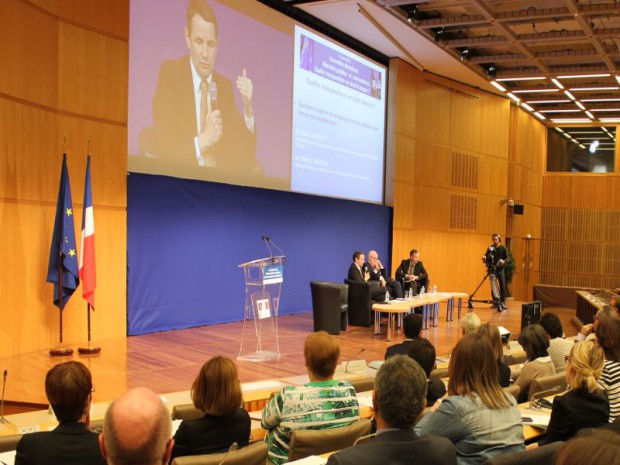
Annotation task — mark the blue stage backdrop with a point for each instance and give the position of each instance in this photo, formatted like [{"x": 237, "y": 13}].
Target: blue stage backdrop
[{"x": 185, "y": 239}]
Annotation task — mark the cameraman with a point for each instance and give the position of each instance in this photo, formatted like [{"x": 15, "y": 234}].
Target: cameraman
[{"x": 495, "y": 258}]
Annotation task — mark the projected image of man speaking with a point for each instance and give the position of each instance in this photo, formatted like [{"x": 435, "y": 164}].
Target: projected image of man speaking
[{"x": 195, "y": 120}]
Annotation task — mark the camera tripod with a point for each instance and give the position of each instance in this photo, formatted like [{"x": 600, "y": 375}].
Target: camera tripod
[{"x": 496, "y": 301}]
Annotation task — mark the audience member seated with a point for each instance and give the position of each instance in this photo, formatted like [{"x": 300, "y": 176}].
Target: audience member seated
[
  {"x": 216, "y": 392},
  {"x": 358, "y": 271},
  {"x": 423, "y": 352},
  {"x": 398, "y": 402},
  {"x": 596, "y": 448},
  {"x": 322, "y": 403},
  {"x": 535, "y": 342},
  {"x": 412, "y": 325},
  {"x": 491, "y": 332},
  {"x": 68, "y": 387},
  {"x": 470, "y": 323},
  {"x": 585, "y": 405},
  {"x": 480, "y": 419},
  {"x": 608, "y": 335},
  {"x": 137, "y": 430},
  {"x": 412, "y": 274},
  {"x": 589, "y": 331},
  {"x": 559, "y": 348},
  {"x": 378, "y": 273}
]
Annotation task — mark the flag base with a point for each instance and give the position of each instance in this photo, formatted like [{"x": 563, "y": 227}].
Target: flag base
[
  {"x": 89, "y": 350},
  {"x": 61, "y": 351}
]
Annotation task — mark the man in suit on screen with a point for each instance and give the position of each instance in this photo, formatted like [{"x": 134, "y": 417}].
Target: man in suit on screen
[{"x": 195, "y": 119}]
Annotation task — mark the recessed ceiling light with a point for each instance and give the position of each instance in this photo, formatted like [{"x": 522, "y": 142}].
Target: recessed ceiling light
[
  {"x": 498, "y": 86},
  {"x": 534, "y": 91},
  {"x": 584, "y": 76},
  {"x": 589, "y": 89}
]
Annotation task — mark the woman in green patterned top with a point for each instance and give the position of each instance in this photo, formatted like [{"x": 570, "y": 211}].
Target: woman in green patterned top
[{"x": 320, "y": 404}]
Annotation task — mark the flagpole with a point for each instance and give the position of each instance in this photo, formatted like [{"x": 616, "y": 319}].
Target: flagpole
[
  {"x": 89, "y": 350},
  {"x": 60, "y": 351},
  {"x": 63, "y": 238}
]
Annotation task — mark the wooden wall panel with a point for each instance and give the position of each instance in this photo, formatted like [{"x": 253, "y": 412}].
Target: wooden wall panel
[
  {"x": 447, "y": 214},
  {"x": 78, "y": 88},
  {"x": 29, "y": 53},
  {"x": 98, "y": 68}
]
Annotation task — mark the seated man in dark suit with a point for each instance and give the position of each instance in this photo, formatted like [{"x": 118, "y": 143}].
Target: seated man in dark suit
[
  {"x": 412, "y": 273},
  {"x": 378, "y": 273},
  {"x": 398, "y": 401},
  {"x": 412, "y": 325},
  {"x": 68, "y": 387},
  {"x": 358, "y": 271},
  {"x": 422, "y": 351}
]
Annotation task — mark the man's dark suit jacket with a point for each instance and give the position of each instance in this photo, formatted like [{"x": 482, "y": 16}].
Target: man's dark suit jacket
[
  {"x": 174, "y": 122},
  {"x": 67, "y": 444},
  {"x": 377, "y": 293},
  {"x": 398, "y": 447},
  {"x": 576, "y": 410},
  {"x": 210, "y": 434},
  {"x": 398, "y": 349},
  {"x": 418, "y": 270},
  {"x": 355, "y": 274}
]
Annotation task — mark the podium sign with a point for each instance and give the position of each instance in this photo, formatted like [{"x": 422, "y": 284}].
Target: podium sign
[{"x": 263, "y": 281}]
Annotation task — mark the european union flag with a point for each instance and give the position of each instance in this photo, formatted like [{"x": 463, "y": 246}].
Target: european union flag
[{"x": 63, "y": 266}]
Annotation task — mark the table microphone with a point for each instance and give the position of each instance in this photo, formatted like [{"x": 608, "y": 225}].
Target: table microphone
[
  {"x": 233, "y": 447},
  {"x": 536, "y": 398},
  {"x": 346, "y": 364},
  {"x": 2, "y": 419}
]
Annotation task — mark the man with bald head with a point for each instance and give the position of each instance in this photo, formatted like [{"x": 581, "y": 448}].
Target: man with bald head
[
  {"x": 379, "y": 273},
  {"x": 137, "y": 430}
]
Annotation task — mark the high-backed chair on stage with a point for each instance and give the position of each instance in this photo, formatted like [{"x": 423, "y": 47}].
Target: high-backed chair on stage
[
  {"x": 306, "y": 442},
  {"x": 547, "y": 383},
  {"x": 185, "y": 412},
  {"x": 329, "y": 306},
  {"x": 254, "y": 454},
  {"x": 360, "y": 303}
]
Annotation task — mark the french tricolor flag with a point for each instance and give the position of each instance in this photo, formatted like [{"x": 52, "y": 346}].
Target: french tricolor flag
[{"x": 87, "y": 250}]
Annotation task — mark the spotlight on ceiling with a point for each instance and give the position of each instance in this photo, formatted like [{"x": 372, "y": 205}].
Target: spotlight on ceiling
[
  {"x": 413, "y": 15},
  {"x": 491, "y": 72},
  {"x": 439, "y": 34},
  {"x": 464, "y": 54}
]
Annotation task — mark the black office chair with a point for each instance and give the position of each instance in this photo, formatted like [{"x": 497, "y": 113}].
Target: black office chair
[{"x": 329, "y": 306}]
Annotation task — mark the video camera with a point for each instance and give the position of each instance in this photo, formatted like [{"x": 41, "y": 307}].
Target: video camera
[{"x": 490, "y": 262}]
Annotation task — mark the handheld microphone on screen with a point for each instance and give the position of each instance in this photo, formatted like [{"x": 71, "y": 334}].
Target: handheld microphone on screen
[
  {"x": 346, "y": 364},
  {"x": 233, "y": 447},
  {"x": 2, "y": 419},
  {"x": 213, "y": 95}
]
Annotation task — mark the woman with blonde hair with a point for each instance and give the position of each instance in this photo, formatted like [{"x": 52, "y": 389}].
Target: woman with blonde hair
[
  {"x": 480, "y": 419},
  {"x": 217, "y": 393},
  {"x": 585, "y": 405}
]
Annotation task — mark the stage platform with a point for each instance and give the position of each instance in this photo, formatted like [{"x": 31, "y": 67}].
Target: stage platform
[{"x": 168, "y": 361}]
